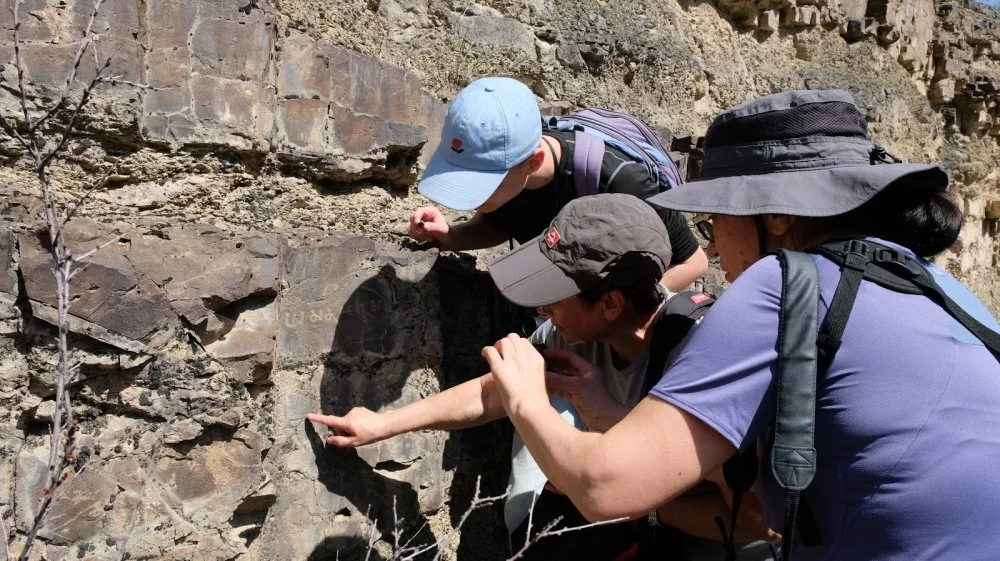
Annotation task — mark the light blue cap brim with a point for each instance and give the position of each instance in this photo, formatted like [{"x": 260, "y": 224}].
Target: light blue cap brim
[{"x": 457, "y": 187}]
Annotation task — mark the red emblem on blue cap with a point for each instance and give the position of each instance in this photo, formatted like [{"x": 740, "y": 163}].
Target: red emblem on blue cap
[
  {"x": 456, "y": 146},
  {"x": 552, "y": 237}
]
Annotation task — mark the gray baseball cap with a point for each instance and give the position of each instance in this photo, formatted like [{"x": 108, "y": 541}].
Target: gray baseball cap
[{"x": 580, "y": 248}]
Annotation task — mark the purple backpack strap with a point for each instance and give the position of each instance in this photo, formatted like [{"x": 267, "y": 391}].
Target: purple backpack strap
[{"x": 588, "y": 155}]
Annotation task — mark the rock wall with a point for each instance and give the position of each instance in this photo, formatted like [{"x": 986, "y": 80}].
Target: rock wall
[{"x": 258, "y": 187}]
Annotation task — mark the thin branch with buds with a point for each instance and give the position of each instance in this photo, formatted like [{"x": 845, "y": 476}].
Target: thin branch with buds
[
  {"x": 548, "y": 531},
  {"x": 32, "y": 137},
  {"x": 75, "y": 205},
  {"x": 119, "y": 81},
  {"x": 372, "y": 537},
  {"x": 87, "y": 35},
  {"x": 408, "y": 553}
]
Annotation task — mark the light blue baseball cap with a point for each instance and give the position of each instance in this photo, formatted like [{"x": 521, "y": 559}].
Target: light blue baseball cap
[{"x": 491, "y": 126}]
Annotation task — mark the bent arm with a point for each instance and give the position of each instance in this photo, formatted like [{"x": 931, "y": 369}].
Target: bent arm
[
  {"x": 648, "y": 459},
  {"x": 476, "y": 233},
  {"x": 680, "y": 276}
]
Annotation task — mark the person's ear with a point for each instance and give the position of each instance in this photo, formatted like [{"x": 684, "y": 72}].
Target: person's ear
[
  {"x": 613, "y": 304},
  {"x": 535, "y": 160}
]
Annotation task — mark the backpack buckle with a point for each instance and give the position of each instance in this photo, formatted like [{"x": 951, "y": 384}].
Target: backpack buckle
[
  {"x": 857, "y": 255},
  {"x": 900, "y": 264}
]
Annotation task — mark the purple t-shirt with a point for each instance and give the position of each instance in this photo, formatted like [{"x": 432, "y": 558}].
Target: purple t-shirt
[{"x": 908, "y": 420}]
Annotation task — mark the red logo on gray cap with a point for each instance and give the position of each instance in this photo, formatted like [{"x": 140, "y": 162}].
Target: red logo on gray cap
[{"x": 552, "y": 237}]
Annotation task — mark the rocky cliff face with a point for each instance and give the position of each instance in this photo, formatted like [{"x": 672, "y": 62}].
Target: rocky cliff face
[{"x": 258, "y": 189}]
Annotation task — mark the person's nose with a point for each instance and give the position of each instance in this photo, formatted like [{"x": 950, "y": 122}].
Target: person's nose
[
  {"x": 543, "y": 312},
  {"x": 710, "y": 250}
]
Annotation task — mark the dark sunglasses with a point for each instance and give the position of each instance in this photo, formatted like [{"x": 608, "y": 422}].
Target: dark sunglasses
[{"x": 703, "y": 222}]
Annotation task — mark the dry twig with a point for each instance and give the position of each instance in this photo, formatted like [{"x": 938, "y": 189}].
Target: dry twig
[
  {"x": 407, "y": 553},
  {"x": 32, "y": 135}
]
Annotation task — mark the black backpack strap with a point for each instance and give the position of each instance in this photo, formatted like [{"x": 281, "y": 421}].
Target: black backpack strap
[
  {"x": 831, "y": 332},
  {"x": 740, "y": 472},
  {"x": 899, "y": 271},
  {"x": 793, "y": 457},
  {"x": 676, "y": 317}
]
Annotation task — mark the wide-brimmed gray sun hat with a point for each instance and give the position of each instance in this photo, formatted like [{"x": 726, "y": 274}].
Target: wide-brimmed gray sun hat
[
  {"x": 590, "y": 239},
  {"x": 801, "y": 153}
]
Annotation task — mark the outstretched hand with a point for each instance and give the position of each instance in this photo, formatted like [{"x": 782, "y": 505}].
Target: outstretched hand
[
  {"x": 359, "y": 427},
  {"x": 427, "y": 224},
  {"x": 582, "y": 383},
  {"x": 519, "y": 372}
]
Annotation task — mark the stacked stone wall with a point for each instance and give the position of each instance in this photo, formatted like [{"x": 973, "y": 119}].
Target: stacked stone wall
[{"x": 258, "y": 189}]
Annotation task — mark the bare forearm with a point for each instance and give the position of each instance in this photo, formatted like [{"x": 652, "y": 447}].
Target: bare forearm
[
  {"x": 469, "y": 404},
  {"x": 628, "y": 471},
  {"x": 476, "y": 233},
  {"x": 680, "y": 276}
]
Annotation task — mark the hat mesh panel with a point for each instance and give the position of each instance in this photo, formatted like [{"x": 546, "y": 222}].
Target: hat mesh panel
[{"x": 834, "y": 118}]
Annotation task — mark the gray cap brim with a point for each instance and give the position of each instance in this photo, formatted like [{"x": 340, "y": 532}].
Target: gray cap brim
[
  {"x": 527, "y": 278},
  {"x": 817, "y": 192}
]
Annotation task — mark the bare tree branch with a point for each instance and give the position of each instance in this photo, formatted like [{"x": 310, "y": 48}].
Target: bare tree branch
[
  {"x": 406, "y": 546},
  {"x": 119, "y": 81},
  {"x": 87, "y": 35},
  {"x": 407, "y": 553},
  {"x": 84, "y": 98},
  {"x": 396, "y": 526},
  {"x": 477, "y": 503},
  {"x": 18, "y": 63},
  {"x": 371, "y": 536},
  {"x": 75, "y": 205},
  {"x": 548, "y": 531},
  {"x": 63, "y": 428},
  {"x": 87, "y": 255}
]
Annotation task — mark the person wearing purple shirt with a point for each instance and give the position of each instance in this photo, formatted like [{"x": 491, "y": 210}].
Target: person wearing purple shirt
[{"x": 908, "y": 413}]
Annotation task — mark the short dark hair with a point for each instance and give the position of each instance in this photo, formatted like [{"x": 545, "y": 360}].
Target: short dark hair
[
  {"x": 913, "y": 214},
  {"x": 636, "y": 275}
]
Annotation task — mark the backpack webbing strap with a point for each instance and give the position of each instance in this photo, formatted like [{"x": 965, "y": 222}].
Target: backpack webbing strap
[
  {"x": 793, "y": 457},
  {"x": 831, "y": 332},
  {"x": 898, "y": 271},
  {"x": 588, "y": 156}
]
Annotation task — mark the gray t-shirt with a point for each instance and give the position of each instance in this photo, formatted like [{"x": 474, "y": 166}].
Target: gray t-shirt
[{"x": 625, "y": 385}]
